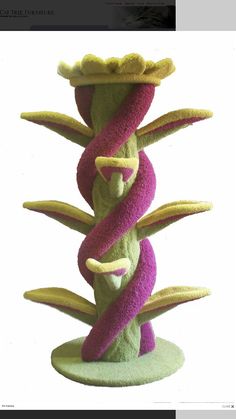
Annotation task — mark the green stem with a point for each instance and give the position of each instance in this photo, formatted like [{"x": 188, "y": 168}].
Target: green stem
[
  {"x": 106, "y": 196},
  {"x": 116, "y": 185}
]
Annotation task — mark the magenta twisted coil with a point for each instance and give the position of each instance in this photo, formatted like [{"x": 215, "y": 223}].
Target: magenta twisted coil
[{"x": 122, "y": 218}]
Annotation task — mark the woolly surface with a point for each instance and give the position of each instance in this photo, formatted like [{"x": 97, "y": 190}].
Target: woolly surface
[
  {"x": 62, "y": 124},
  {"x": 152, "y": 137},
  {"x": 107, "y": 165},
  {"x": 147, "y": 343},
  {"x": 107, "y": 172},
  {"x": 168, "y": 214},
  {"x": 66, "y": 301},
  {"x": 179, "y": 117},
  {"x": 116, "y": 322},
  {"x": 124, "y": 308},
  {"x": 113, "y": 136},
  {"x": 166, "y": 359},
  {"x": 64, "y": 213},
  {"x": 116, "y": 319},
  {"x": 176, "y": 208},
  {"x": 61, "y": 297},
  {"x": 116, "y": 162},
  {"x": 131, "y": 64},
  {"x": 83, "y": 98},
  {"x": 169, "y": 298},
  {"x": 130, "y": 68},
  {"x": 60, "y": 208},
  {"x": 127, "y": 343},
  {"x": 121, "y": 219},
  {"x": 168, "y": 124},
  {"x": 106, "y": 103},
  {"x": 120, "y": 265},
  {"x": 57, "y": 118}
]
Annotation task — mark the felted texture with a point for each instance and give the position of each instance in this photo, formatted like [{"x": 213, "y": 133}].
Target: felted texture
[
  {"x": 127, "y": 343},
  {"x": 110, "y": 173},
  {"x": 147, "y": 343},
  {"x": 124, "y": 308},
  {"x": 118, "y": 267},
  {"x": 168, "y": 298},
  {"x": 107, "y": 165},
  {"x": 83, "y": 98},
  {"x": 110, "y": 139},
  {"x": 65, "y": 301},
  {"x": 130, "y": 69},
  {"x": 168, "y": 124},
  {"x": 62, "y": 124},
  {"x": 163, "y": 361},
  {"x": 66, "y": 214},
  {"x": 121, "y": 219},
  {"x": 168, "y": 214},
  {"x": 113, "y": 97}
]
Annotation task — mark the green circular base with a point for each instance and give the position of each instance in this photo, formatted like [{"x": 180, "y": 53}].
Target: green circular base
[{"x": 166, "y": 359}]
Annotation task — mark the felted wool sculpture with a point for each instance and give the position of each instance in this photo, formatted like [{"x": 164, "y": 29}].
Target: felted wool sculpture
[{"x": 116, "y": 178}]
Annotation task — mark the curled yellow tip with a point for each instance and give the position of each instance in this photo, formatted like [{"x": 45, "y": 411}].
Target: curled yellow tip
[
  {"x": 61, "y": 297},
  {"x": 209, "y": 114},
  {"x": 174, "y": 209},
  {"x": 27, "y": 205},
  {"x": 174, "y": 296},
  {"x": 118, "y": 267}
]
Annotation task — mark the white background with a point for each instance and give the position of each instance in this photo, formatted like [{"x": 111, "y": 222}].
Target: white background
[{"x": 195, "y": 163}]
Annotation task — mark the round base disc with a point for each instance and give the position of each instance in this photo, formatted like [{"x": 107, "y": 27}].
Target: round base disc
[{"x": 163, "y": 361}]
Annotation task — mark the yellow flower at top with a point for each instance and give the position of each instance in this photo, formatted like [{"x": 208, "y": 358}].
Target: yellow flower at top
[{"x": 132, "y": 68}]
